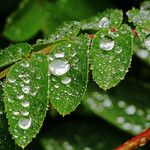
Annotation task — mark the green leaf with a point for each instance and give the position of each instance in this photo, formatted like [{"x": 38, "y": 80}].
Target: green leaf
[
  {"x": 111, "y": 18},
  {"x": 66, "y": 31},
  {"x": 6, "y": 141},
  {"x": 125, "y": 106},
  {"x": 26, "y": 98},
  {"x": 111, "y": 54},
  {"x": 14, "y": 53},
  {"x": 138, "y": 16},
  {"x": 69, "y": 74},
  {"x": 26, "y": 21},
  {"x": 82, "y": 135}
]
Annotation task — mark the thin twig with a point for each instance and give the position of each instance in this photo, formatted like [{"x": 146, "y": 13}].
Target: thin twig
[{"x": 135, "y": 142}]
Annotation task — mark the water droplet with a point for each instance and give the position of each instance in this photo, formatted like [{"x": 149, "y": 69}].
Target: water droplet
[
  {"x": 73, "y": 53},
  {"x": 104, "y": 23},
  {"x": 20, "y": 96},
  {"x": 16, "y": 113},
  {"x": 50, "y": 57},
  {"x": 118, "y": 50},
  {"x": 59, "y": 67},
  {"x": 120, "y": 120},
  {"x": 121, "y": 68},
  {"x": 127, "y": 126},
  {"x": 137, "y": 129},
  {"x": 130, "y": 110},
  {"x": 11, "y": 80},
  {"x": 26, "y": 89},
  {"x": 66, "y": 80},
  {"x": 59, "y": 54},
  {"x": 147, "y": 42},
  {"x": 121, "y": 104},
  {"x": 56, "y": 86},
  {"x": 107, "y": 43},
  {"x": 69, "y": 45},
  {"x": 25, "y": 113},
  {"x": 25, "y": 123},
  {"x": 26, "y": 80},
  {"x": 107, "y": 103},
  {"x": 142, "y": 53},
  {"x": 25, "y": 104},
  {"x": 25, "y": 64}
]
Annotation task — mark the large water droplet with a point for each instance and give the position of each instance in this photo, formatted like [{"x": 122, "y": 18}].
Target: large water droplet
[
  {"x": 107, "y": 43},
  {"x": 59, "y": 67},
  {"x": 104, "y": 23},
  {"x": 66, "y": 80},
  {"x": 25, "y": 123},
  {"x": 147, "y": 42},
  {"x": 26, "y": 89}
]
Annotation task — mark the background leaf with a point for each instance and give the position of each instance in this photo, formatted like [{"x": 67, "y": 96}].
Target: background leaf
[
  {"x": 82, "y": 134},
  {"x": 111, "y": 54},
  {"x": 69, "y": 74},
  {"x": 26, "y": 21},
  {"x": 125, "y": 106},
  {"x": 26, "y": 98}
]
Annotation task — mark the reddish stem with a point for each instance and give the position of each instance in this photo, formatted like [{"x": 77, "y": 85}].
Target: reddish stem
[
  {"x": 135, "y": 33},
  {"x": 135, "y": 142}
]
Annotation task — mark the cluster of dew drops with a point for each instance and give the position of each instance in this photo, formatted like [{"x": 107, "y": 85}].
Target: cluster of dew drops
[
  {"x": 25, "y": 121},
  {"x": 106, "y": 42},
  {"x": 59, "y": 66}
]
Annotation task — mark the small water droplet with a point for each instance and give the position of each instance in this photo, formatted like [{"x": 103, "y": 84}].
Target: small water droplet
[
  {"x": 25, "y": 113},
  {"x": 59, "y": 67},
  {"x": 107, "y": 43},
  {"x": 120, "y": 120},
  {"x": 66, "y": 80},
  {"x": 104, "y": 23},
  {"x": 20, "y": 96},
  {"x": 25, "y": 104},
  {"x": 147, "y": 42},
  {"x": 142, "y": 53},
  {"x": 11, "y": 80},
  {"x": 121, "y": 104},
  {"x": 107, "y": 103},
  {"x": 56, "y": 86},
  {"x": 59, "y": 54},
  {"x": 26, "y": 89},
  {"x": 16, "y": 113},
  {"x": 25, "y": 64},
  {"x": 118, "y": 50},
  {"x": 69, "y": 45},
  {"x": 25, "y": 123}
]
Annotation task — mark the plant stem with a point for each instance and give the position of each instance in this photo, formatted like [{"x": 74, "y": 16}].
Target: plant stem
[{"x": 135, "y": 142}]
